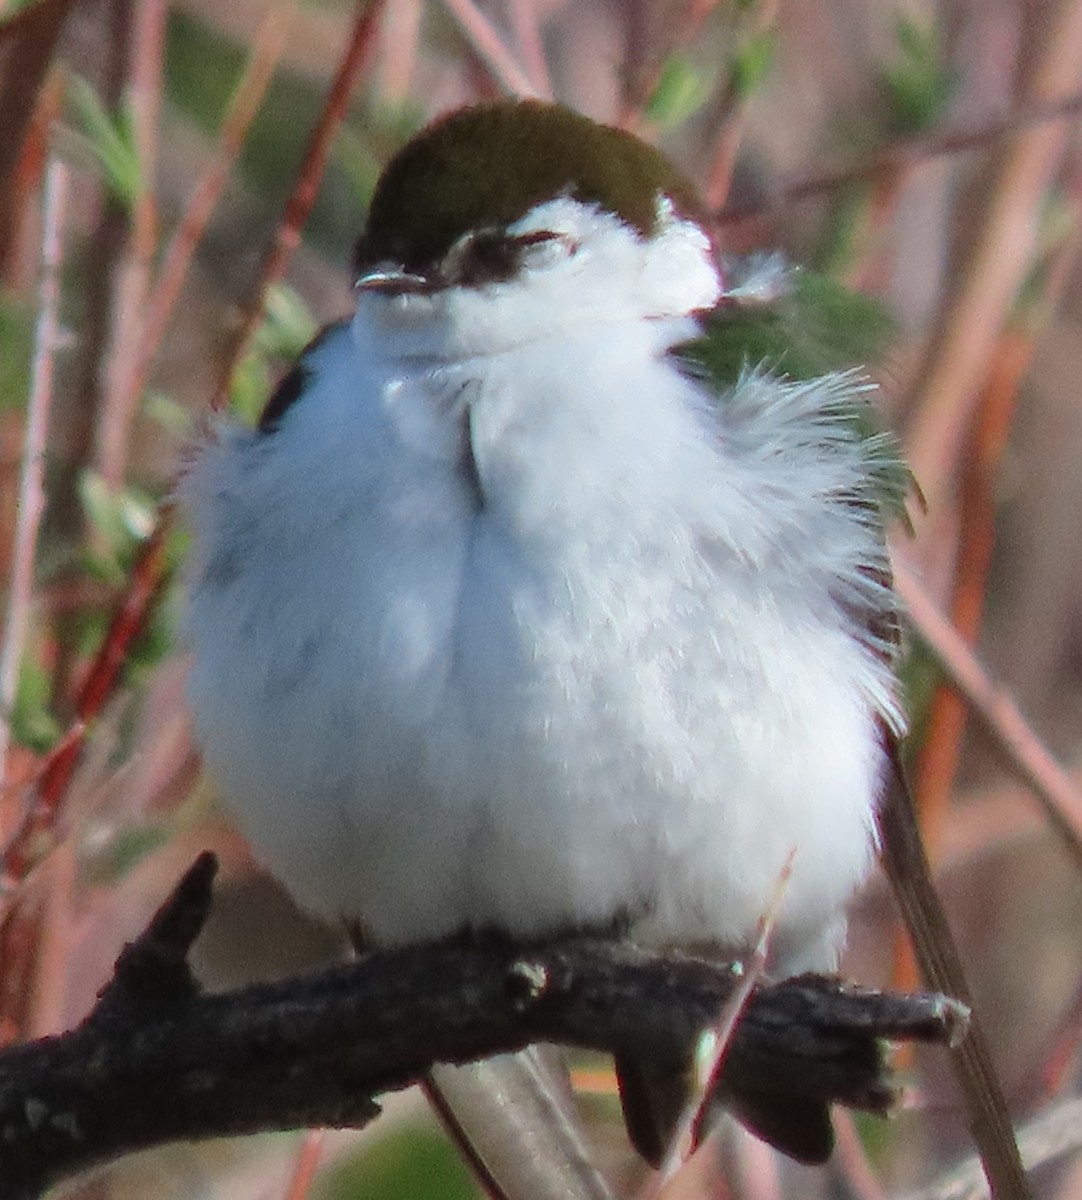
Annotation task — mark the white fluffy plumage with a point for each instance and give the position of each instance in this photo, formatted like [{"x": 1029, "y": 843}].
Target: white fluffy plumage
[{"x": 510, "y": 622}]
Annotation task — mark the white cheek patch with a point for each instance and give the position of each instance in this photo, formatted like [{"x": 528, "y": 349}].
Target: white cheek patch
[
  {"x": 678, "y": 271},
  {"x": 670, "y": 273}
]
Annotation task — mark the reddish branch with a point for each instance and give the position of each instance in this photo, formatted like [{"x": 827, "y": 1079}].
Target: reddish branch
[
  {"x": 31, "y": 505},
  {"x": 1051, "y": 784},
  {"x": 27, "y": 43},
  {"x": 906, "y": 153},
  {"x": 298, "y": 207},
  {"x": 489, "y": 50},
  {"x": 189, "y": 232}
]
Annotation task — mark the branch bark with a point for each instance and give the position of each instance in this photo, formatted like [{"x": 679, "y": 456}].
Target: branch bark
[{"x": 159, "y": 1060}]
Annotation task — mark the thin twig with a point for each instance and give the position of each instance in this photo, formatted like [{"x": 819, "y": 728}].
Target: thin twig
[
  {"x": 19, "y": 241},
  {"x": 489, "y": 47},
  {"x": 1048, "y": 1136},
  {"x": 642, "y": 83},
  {"x": 51, "y": 961},
  {"x": 305, "y": 1164},
  {"x": 986, "y": 284},
  {"x": 730, "y": 112},
  {"x": 730, "y": 1015},
  {"x": 177, "y": 260},
  {"x": 691, "y": 1129},
  {"x": 31, "y": 488},
  {"x": 112, "y": 435},
  {"x": 28, "y": 787},
  {"x": 524, "y": 20},
  {"x": 302, "y": 197},
  {"x": 28, "y": 42},
  {"x": 126, "y": 626},
  {"x": 937, "y": 760},
  {"x": 1051, "y": 784},
  {"x": 104, "y": 249},
  {"x": 939, "y": 753},
  {"x": 399, "y": 38},
  {"x": 904, "y": 154}
]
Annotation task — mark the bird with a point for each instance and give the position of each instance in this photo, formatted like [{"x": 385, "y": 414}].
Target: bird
[{"x": 534, "y": 604}]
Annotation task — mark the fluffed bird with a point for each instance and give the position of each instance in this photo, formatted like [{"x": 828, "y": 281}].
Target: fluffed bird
[{"x": 531, "y": 607}]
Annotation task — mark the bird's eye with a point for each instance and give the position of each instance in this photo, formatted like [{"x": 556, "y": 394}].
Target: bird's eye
[
  {"x": 494, "y": 256},
  {"x": 543, "y": 247}
]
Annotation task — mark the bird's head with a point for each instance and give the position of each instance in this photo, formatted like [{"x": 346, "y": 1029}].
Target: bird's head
[{"x": 514, "y": 220}]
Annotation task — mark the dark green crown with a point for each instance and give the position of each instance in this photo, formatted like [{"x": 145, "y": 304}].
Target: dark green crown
[{"x": 486, "y": 167}]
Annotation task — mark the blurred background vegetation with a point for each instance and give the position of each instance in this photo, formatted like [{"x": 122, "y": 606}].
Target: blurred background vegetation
[{"x": 158, "y": 257}]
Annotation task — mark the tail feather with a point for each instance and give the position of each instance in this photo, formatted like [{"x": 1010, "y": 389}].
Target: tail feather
[{"x": 653, "y": 1093}]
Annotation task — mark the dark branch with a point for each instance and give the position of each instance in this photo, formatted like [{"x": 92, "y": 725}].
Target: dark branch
[{"x": 157, "y": 1060}]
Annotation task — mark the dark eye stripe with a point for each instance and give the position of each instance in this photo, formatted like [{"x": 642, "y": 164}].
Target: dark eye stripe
[{"x": 492, "y": 256}]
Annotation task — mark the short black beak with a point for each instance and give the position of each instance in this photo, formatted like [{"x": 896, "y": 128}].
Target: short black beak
[{"x": 395, "y": 282}]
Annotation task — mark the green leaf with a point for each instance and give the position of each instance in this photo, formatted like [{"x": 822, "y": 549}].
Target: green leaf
[
  {"x": 32, "y": 723},
  {"x": 361, "y": 152},
  {"x": 136, "y": 510},
  {"x": 169, "y": 415},
  {"x": 751, "y": 62},
  {"x": 287, "y": 328},
  {"x": 110, "y": 140},
  {"x": 249, "y": 388},
  {"x": 918, "y": 83},
  {"x": 16, "y": 348},
  {"x": 418, "y": 1162},
  {"x": 121, "y": 521},
  {"x": 120, "y": 516},
  {"x": 680, "y": 91},
  {"x": 86, "y": 629},
  {"x": 129, "y": 845},
  {"x": 288, "y": 325},
  {"x": 103, "y": 568},
  {"x": 100, "y": 508},
  {"x": 12, "y": 7}
]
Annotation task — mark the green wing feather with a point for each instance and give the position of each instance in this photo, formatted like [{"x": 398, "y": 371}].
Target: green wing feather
[
  {"x": 811, "y": 326},
  {"x": 814, "y": 326}
]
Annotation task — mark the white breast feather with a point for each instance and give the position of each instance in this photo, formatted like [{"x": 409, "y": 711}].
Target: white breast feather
[{"x": 621, "y": 688}]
